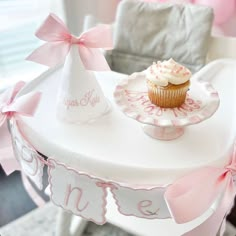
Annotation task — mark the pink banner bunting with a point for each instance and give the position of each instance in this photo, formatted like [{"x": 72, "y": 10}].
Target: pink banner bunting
[
  {"x": 28, "y": 157},
  {"x": 143, "y": 203},
  {"x": 76, "y": 192}
]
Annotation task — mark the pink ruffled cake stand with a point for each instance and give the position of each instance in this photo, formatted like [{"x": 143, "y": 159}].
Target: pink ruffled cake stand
[{"x": 201, "y": 103}]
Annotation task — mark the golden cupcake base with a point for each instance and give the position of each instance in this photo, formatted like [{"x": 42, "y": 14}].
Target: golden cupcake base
[{"x": 169, "y": 96}]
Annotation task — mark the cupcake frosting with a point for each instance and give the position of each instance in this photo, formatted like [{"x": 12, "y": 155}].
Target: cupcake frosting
[{"x": 163, "y": 73}]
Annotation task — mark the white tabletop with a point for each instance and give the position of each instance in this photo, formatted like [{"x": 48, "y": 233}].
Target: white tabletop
[{"x": 115, "y": 146}]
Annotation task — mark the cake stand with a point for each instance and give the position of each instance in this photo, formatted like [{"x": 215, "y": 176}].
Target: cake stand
[{"x": 201, "y": 103}]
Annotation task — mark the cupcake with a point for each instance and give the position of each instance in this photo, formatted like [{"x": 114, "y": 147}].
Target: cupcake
[{"x": 168, "y": 83}]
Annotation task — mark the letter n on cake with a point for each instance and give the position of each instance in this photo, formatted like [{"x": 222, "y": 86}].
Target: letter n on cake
[{"x": 77, "y": 193}]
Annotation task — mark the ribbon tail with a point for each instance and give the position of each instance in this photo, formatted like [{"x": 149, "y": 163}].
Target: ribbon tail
[
  {"x": 8, "y": 96},
  {"x": 212, "y": 225},
  {"x": 38, "y": 200},
  {"x": 98, "y": 37},
  {"x": 93, "y": 59},
  {"x": 222, "y": 227},
  {"x": 16, "y": 89},
  {"x": 25, "y": 105},
  {"x": 10, "y": 164},
  {"x": 3, "y": 118},
  {"x": 50, "y": 54},
  {"x": 181, "y": 195},
  {"x": 7, "y": 157}
]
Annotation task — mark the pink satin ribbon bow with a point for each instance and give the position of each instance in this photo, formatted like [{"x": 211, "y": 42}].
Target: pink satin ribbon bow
[
  {"x": 59, "y": 41},
  {"x": 9, "y": 107},
  {"x": 191, "y": 196}
]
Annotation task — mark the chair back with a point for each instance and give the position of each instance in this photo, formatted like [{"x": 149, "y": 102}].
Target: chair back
[{"x": 145, "y": 32}]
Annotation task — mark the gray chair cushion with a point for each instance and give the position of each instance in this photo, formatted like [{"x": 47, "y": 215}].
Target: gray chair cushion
[{"x": 146, "y": 32}]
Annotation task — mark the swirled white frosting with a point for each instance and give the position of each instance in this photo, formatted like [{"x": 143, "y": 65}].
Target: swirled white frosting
[{"x": 163, "y": 73}]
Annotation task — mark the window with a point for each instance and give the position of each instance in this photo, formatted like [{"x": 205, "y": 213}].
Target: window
[{"x": 19, "y": 20}]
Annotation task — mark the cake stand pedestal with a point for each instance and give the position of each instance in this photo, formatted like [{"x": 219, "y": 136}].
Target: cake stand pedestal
[
  {"x": 131, "y": 96},
  {"x": 163, "y": 133}
]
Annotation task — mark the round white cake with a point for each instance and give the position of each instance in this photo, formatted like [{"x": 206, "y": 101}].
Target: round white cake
[{"x": 114, "y": 147}]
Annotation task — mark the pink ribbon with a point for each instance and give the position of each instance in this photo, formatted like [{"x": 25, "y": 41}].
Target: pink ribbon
[
  {"x": 9, "y": 107},
  {"x": 59, "y": 41},
  {"x": 7, "y": 158},
  {"x": 191, "y": 196},
  {"x": 34, "y": 195}
]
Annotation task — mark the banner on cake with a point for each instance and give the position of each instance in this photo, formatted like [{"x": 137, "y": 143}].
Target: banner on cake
[
  {"x": 27, "y": 156},
  {"x": 78, "y": 193},
  {"x": 85, "y": 195},
  {"x": 143, "y": 203}
]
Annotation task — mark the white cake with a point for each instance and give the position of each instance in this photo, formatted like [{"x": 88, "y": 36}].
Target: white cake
[{"x": 115, "y": 147}]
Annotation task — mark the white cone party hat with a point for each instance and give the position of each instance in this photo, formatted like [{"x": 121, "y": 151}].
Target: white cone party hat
[{"x": 80, "y": 98}]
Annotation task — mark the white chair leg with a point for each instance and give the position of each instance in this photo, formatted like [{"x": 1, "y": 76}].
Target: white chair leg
[
  {"x": 63, "y": 223},
  {"x": 78, "y": 226},
  {"x": 69, "y": 225}
]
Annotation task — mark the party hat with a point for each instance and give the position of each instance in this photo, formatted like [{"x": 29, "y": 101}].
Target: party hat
[{"x": 80, "y": 98}]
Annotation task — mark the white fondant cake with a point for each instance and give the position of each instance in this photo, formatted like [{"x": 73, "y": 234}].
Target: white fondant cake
[{"x": 115, "y": 147}]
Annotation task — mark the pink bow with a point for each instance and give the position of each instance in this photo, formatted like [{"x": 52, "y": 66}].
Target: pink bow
[
  {"x": 9, "y": 107},
  {"x": 59, "y": 41},
  {"x": 191, "y": 196}
]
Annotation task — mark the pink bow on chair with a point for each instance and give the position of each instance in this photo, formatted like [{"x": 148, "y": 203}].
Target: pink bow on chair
[
  {"x": 59, "y": 41},
  {"x": 191, "y": 196},
  {"x": 12, "y": 107}
]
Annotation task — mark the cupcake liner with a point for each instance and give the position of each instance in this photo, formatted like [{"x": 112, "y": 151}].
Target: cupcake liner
[{"x": 167, "y": 97}]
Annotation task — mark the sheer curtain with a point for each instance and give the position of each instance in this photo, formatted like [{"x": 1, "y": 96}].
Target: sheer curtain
[
  {"x": 76, "y": 10},
  {"x": 19, "y": 20}
]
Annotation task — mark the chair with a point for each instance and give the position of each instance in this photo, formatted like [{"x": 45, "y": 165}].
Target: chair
[{"x": 146, "y": 32}]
